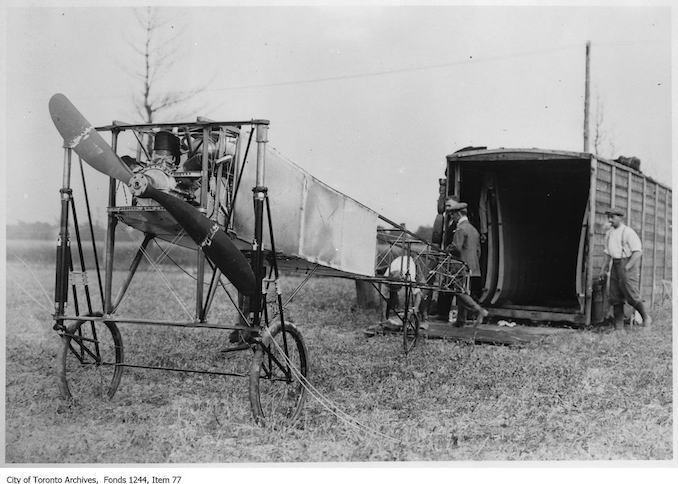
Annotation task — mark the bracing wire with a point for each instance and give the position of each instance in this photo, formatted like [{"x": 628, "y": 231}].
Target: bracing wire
[
  {"x": 295, "y": 292},
  {"x": 166, "y": 281},
  {"x": 303, "y": 283},
  {"x": 391, "y": 246},
  {"x": 136, "y": 135},
  {"x": 167, "y": 256},
  {"x": 164, "y": 253},
  {"x": 235, "y": 305},
  {"x": 182, "y": 269}
]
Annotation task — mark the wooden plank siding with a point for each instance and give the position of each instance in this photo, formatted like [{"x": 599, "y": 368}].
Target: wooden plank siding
[
  {"x": 660, "y": 242},
  {"x": 668, "y": 262},
  {"x": 603, "y": 190},
  {"x": 648, "y": 241},
  {"x": 648, "y": 210}
]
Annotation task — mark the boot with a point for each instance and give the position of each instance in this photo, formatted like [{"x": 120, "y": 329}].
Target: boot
[
  {"x": 618, "y": 311},
  {"x": 462, "y": 314},
  {"x": 482, "y": 314},
  {"x": 647, "y": 319}
]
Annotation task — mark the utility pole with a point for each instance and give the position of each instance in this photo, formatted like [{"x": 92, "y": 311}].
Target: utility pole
[{"x": 586, "y": 96}]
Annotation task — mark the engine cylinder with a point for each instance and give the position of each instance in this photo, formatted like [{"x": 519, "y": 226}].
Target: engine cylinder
[{"x": 166, "y": 141}]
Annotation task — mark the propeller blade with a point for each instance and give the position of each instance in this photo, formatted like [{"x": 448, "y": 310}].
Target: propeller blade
[
  {"x": 216, "y": 245},
  {"x": 80, "y": 135}
]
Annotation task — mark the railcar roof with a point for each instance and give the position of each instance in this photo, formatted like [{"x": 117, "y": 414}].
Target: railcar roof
[
  {"x": 536, "y": 154},
  {"x": 516, "y": 153}
]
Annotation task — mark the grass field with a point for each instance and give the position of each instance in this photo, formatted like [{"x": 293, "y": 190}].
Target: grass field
[{"x": 584, "y": 395}]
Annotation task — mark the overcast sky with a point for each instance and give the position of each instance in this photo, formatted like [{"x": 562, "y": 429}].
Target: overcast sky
[{"x": 367, "y": 99}]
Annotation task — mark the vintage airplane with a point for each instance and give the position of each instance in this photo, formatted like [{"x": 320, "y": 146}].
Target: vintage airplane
[{"x": 184, "y": 185}]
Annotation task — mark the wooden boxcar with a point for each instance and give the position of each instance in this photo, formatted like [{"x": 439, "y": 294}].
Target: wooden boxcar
[{"x": 542, "y": 249}]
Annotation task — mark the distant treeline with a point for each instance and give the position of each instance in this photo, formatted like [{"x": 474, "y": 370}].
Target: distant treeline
[
  {"x": 47, "y": 231},
  {"x": 424, "y": 232}
]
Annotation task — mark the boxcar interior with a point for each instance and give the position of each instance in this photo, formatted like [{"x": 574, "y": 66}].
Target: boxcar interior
[{"x": 534, "y": 211}]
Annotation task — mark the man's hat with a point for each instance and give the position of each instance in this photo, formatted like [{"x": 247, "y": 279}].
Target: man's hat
[
  {"x": 614, "y": 211},
  {"x": 455, "y": 205}
]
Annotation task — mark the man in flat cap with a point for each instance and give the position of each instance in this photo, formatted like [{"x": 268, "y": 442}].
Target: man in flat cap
[{"x": 624, "y": 250}]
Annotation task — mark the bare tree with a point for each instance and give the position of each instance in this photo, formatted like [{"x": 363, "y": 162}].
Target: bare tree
[
  {"x": 612, "y": 149},
  {"x": 599, "y": 134},
  {"x": 159, "y": 51}
]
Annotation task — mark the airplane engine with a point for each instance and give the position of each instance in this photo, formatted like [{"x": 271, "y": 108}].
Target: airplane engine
[
  {"x": 159, "y": 178},
  {"x": 165, "y": 160},
  {"x": 172, "y": 162}
]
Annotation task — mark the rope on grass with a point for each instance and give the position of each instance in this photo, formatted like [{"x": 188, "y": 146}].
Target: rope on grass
[
  {"x": 44, "y": 291},
  {"x": 328, "y": 404},
  {"x": 32, "y": 297}
]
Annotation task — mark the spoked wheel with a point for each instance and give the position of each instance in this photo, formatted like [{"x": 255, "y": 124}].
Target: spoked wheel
[
  {"x": 89, "y": 359},
  {"x": 410, "y": 332},
  {"x": 277, "y": 393}
]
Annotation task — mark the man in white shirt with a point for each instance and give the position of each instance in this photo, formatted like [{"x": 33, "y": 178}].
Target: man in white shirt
[
  {"x": 624, "y": 250},
  {"x": 403, "y": 268}
]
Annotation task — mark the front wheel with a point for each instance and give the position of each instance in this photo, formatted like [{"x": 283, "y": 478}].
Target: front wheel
[
  {"x": 89, "y": 361},
  {"x": 277, "y": 376}
]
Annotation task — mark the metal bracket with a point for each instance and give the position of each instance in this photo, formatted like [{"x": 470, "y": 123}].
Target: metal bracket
[
  {"x": 59, "y": 326},
  {"x": 78, "y": 278},
  {"x": 66, "y": 194}
]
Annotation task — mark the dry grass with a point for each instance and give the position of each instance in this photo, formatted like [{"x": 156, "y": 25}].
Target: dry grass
[{"x": 584, "y": 395}]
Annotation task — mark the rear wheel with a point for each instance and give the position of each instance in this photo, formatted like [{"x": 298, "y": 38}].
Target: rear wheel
[
  {"x": 278, "y": 378},
  {"x": 410, "y": 332},
  {"x": 89, "y": 359}
]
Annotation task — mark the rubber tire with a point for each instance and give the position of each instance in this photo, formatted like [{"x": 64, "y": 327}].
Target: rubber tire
[
  {"x": 111, "y": 343},
  {"x": 258, "y": 382},
  {"x": 410, "y": 332}
]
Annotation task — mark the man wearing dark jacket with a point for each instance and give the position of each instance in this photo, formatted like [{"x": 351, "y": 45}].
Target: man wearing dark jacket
[
  {"x": 465, "y": 246},
  {"x": 462, "y": 241}
]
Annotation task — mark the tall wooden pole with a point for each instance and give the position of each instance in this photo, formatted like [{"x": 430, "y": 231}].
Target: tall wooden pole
[{"x": 587, "y": 91}]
